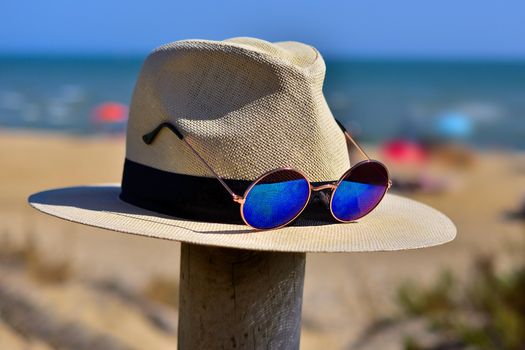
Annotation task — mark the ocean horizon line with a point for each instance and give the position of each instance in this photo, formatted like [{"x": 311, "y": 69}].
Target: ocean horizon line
[{"x": 393, "y": 59}]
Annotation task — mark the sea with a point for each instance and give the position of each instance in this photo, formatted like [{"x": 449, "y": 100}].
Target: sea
[{"x": 480, "y": 103}]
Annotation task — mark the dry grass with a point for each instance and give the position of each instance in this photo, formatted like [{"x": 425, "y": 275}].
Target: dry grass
[
  {"x": 31, "y": 259},
  {"x": 163, "y": 290}
]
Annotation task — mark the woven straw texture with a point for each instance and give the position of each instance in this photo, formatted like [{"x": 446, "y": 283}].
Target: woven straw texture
[
  {"x": 397, "y": 223},
  {"x": 248, "y": 106}
]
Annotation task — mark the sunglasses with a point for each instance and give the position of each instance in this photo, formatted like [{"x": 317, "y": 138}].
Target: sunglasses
[{"x": 278, "y": 197}]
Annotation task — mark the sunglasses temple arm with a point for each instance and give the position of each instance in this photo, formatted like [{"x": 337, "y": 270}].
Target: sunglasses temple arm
[
  {"x": 349, "y": 138},
  {"x": 347, "y": 134},
  {"x": 150, "y": 137},
  {"x": 230, "y": 191}
]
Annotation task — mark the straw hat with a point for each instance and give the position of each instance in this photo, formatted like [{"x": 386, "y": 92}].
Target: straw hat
[{"x": 247, "y": 106}]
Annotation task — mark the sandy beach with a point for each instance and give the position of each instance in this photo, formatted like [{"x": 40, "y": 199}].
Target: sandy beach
[{"x": 108, "y": 287}]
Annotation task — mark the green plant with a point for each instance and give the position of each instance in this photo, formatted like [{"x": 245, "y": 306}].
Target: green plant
[{"x": 487, "y": 313}]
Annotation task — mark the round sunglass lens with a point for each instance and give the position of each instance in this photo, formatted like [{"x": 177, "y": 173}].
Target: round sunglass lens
[
  {"x": 360, "y": 191},
  {"x": 276, "y": 199}
]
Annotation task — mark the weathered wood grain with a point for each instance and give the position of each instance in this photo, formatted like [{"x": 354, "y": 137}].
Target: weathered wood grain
[{"x": 239, "y": 299}]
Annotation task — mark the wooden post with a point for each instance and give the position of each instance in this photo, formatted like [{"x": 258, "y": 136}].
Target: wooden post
[{"x": 239, "y": 299}]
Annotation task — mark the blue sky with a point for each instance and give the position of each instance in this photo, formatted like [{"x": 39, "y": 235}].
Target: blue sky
[{"x": 395, "y": 28}]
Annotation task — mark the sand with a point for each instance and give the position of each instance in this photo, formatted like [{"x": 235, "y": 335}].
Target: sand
[{"x": 103, "y": 296}]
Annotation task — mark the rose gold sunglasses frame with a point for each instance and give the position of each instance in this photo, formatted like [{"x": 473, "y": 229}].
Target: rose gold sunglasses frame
[{"x": 150, "y": 137}]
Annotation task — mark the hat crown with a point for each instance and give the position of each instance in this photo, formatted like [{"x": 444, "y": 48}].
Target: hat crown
[{"x": 247, "y": 105}]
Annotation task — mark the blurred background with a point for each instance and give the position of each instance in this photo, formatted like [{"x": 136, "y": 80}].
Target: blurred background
[{"x": 435, "y": 90}]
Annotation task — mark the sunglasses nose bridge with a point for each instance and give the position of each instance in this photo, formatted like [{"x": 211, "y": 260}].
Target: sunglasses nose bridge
[{"x": 323, "y": 187}]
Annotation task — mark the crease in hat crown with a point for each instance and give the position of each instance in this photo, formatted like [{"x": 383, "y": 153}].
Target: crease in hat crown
[{"x": 247, "y": 105}]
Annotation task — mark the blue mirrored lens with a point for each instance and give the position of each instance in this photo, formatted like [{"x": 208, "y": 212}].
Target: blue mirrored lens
[
  {"x": 276, "y": 199},
  {"x": 360, "y": 191}
]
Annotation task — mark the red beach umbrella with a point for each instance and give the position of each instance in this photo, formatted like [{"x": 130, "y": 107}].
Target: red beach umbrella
[
  {"x": 110, "y": 112},
  {"x": 404, "y": 151}
]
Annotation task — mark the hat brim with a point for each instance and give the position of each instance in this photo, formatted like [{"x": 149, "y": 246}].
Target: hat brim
[{"x": 396, "y": 224}]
